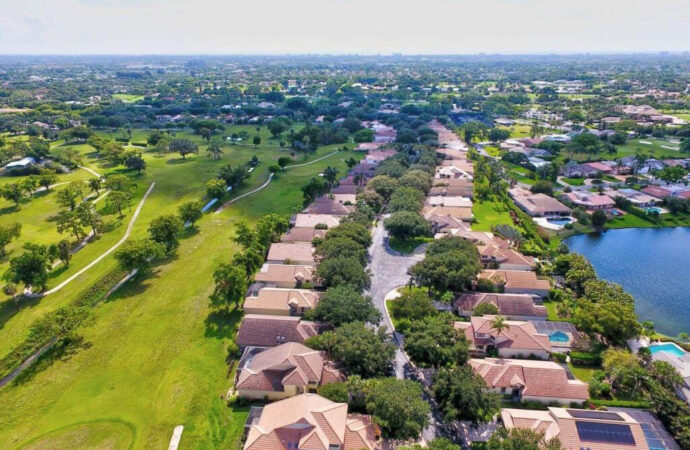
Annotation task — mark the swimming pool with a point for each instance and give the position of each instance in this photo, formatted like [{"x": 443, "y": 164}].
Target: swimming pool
[
  {"x": 667, "y": 347},
  {"x": 654, "y": 209},
  {"x": 560, "y": 221},
  {"x": 559, "y": 336}
]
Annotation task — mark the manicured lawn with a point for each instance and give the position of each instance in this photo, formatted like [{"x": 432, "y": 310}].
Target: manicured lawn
[
  {"x": 583, "y": 373},
  {"x": 154, "y": 356},
  {"x": 493, "y": 151},
  {"x": 407, "y": 246},
  {"x": 633, "y": 221},
  {"x": 490, "y": 213},
  {"x": 634, "y": 146},
  {"x": 574, "y": 181},
  {"x": 128, "y": 98}
]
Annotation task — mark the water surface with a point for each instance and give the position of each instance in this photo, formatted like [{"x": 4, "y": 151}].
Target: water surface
[{"x": 652, "y": 264}]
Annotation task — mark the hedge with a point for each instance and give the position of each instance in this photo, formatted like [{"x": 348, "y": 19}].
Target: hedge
[
  {"x": 60, "y": 322},
  {"x": 641, "y": 404},
  {"x": 585, "y": 359}
]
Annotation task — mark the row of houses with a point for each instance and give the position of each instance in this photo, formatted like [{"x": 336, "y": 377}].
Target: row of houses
[{"x": 275, "y": 363}]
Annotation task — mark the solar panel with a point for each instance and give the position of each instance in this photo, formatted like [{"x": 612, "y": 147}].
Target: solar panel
[
  {"x": 594, "y": 415},
  {"x": 605, "y": 432}
]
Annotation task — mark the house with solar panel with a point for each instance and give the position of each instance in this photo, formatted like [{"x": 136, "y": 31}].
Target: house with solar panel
[{"x": 578, "y": 429}]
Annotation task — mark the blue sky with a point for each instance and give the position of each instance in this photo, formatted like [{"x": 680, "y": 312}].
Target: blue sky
[{"x": 342, "y": 26}]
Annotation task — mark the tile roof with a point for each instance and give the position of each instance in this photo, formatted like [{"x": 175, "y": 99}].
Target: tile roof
[
  {"x": 508, "y": 304},
  {"x": 312, "y": 220},
  {"x": 538, "y": 378},
  {"x": 517, "y": 336},
  {"x": 294, "y": 251},
  {"x": 325, "y": 205},
  {"x": 455, "y": 212},
  {"x": 277, "y": 299},
  {"x": 285, "y": 273},
  {"x": 515, "y": 279},
  {"x": 268, "y": 331},
  {"x": 302, "y": 234}
]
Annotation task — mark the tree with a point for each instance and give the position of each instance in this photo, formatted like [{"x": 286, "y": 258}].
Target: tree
[
  {"x": 113, "y": 152},
  {"x": 398, "y": 407},
  {"x": 434, "y": 341},
  {"x": 12, "y": 192},
  {"x": 10, "y": 290},
  {"x": 134, "y": 161},
  {"x": 68, "y": 221},
  {"x": 256, "y": 140},
  {"x": 67, "y": 197},
  {"x": 215, "y": 188},
  {"x": 166, "y": 230},
  {"x": 269, "y": 228},
  {"x": 685, "y": 145},
  {"x": 542, "y": 187},
  {"x": 139, "y": 254},
  {"x": 499, "y": 324},
  {"x": 521, "y": 439},
  {"x": 498, "y": 134},
  {"x": 64, "y": 251},
  {"x": 406, "y": 199},
  {"x": 451, "y": 263},
  {"x": 341, "y": 247},
  {"x": 231, "y": 284},
  {"x": 89, "y": 217},
  {"x": 283, "y": 161},
  {"x": 183, "y": 146},
  {"x": 46, "y": 180},
  {"x": 351, "y": 230},
  {"x": 412, "y": 305},
  {"x": 351, "y": 162},
  {"x": 461, "y": 395},
  {"x": 118, "y": 200},
  {"x": 436, "y": 444},
  {"x": 29, "y": 268},
  {"x": 407, "y": 225},
  {"x": 599, "y": 219},
  {"x": 119, "y": 183},
  {"x": 314, "y": 188},
  {"x": 383, "y": 185},
  {"x": 672, "y": 174},
  {"x": 341, "y": 271},
  {"x": 362, "y": 350},
  {"x": 95, "y": 185},
  {"x": 215, "y": 148},
  {"x": 344, "y": 304},
  {"x": 244, "y": 235},
  {"x": 623, "y": 369},
  {"x": 330, "y": 174},
  {"x": 233, "y": 177},
  {"x": 8, "y": 233},
  {"x": 190, "y": 212}
]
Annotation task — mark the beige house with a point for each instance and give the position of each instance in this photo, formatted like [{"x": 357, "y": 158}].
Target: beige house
[
  {"x": 299, "y": 253},
  {"x": 582, "y": 429},
  {"x": 449, "y": 200},
  {"x": 528, "y": 380},
  {"x": 286, "y": 275},
  {"x": 316, "y": 220},
  {"x": 510, "y": 306},
  {"x": 259, "y": 330},
  {"x": 517, "y": 282},
  {"x": 303, "y": 234},
  {"x": 456, "y": 212},
  {"x": 284, "y": 371},
  {"x": 518, "y": 340},
  {"x": 281, "y": 302},
  {"x": 538, "y": 205},
  {"x": 309, "y": 421}
]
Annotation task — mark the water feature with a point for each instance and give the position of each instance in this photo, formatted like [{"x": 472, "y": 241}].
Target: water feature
[{"x": 652, "y": 264}]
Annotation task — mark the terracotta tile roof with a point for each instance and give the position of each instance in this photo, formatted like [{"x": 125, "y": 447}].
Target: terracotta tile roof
[
  {"x": 325, "y": 205},
  {"x": 312, "y": 220},
  {"x": 515, "y": 279},
  {"x": 345, "y": 189},
  {"x": 291, "y": 364},
  {"x": 297, "y": 252},
  {"x": 302, "y": 234},
  {"x": 277, "y": 299},
  {"x": 285, "y": 273},
  {"x": 538, "y": 378},
  {"x": 310, "y": 421},
  {"x": 494, "y": 253},
  {"x": 537, "y": 203},
  {"x": 268, "y": 331},
  {"x": 452, "y": 182},
  {"x": 456, "y": 212},
  {"x": 449, "y": 200},
  {"x": 508, "y": 304},
  {"x": 465, "y": 191},
  {"x": 518, "y": 335}
]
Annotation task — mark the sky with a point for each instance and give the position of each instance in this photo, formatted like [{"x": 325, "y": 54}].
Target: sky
[{"x": 342, "y": 26}]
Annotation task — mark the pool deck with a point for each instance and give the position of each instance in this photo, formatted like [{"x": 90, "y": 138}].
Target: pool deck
[{"x": 544, "y": 222}]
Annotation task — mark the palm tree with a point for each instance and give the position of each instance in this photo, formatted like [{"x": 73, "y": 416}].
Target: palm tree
[{"x": 499, "y": 324}]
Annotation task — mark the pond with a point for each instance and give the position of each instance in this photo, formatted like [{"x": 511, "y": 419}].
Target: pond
[{"x": 651, "y": 264}]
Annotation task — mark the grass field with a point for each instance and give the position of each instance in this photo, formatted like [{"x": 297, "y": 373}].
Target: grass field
[
  {"x": 633, "y": 221},
  {"x": 583, "y": 373},
  {"x": 574, "y": 181},
  {"x": 407, "y": 246},
  {"x": 490, "y": 213},
  {"x": 154, "y": 356},
  {"x": 655, "y": 149},
  {"x": 128, "y": 98}
]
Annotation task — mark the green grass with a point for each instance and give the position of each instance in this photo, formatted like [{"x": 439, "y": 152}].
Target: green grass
[
  {"x": 128, "y": 98},
  {"x": 407, "y": 246},
  {"x": 552, "y": 314},
  {"x": 631, "y": 148},
  {"x": 632, "y": 221},
  {"x": 574, "y": 181},
  {"x": 493, "y": 151},
  {"x": 154, "y": 356},
  {"x": 583, "y": 373},
  {"x": 488, "y": 213}
]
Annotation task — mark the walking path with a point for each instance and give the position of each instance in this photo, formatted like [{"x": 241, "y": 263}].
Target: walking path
[
  {"x": 92, "y": 171},
  {"x": 130, "y": 226},
  {"x": 270, "y": 177}
]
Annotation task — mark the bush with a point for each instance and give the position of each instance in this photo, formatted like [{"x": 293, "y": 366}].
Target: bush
[
  {"x": 641, "y": 404},
  {"x": 585, "y": 359},
  {"x": 558, "y": 357}
]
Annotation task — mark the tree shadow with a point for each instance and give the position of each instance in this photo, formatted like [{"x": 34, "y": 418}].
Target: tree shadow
[
  {"x": 9, "y": 308},
  {"x": 59, "y": 270},
  {"x": 62, "y": 351},
  {"x": 9, "y": 209},
  {"x": 179, "y": 160},
  {"x": 222, "y": 323}
]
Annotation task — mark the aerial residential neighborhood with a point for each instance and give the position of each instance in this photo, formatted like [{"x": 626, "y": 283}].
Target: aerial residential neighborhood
[{"x": 319, "y": 225}]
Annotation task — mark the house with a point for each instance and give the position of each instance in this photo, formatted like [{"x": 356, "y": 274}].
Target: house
[
  {"x": 600, "y": 167},
  {"x": 442, "y": 225},
  {"x": 344, "y": 198},
  {"x": 657, "y": 191},
  {"x": 345, "y": 189},
  {"x": 301, "y": 253},
  {"x": 452, "y": 172},
  {"x": 462, "y": 164},
  {"x": 281, "y": 302},
  {"x": 615, "y": 429},
  {"x": 284, "y": 371},
  {"x": 258, "y": 330},
  {"x": 20, "y": 163},
  {"x": 519, "y": 339},
  {"x": 562, "y": 335},
  {"x": 363, "y": 169},
  {"x": 530, "y": 380},
  {"x": 326, "y": 205},
  {"x": 590, "y": 200},
  {"x": 317, "y": 220},
  {"x": 579, "y": 170},
  {"x": 286, "y": 275},
  {"x": 309, "y": 421},
  {"x": 538, "y": 205},
  {"x": 303, "y": 234},
  {"x": 452, "y": 191},
  {"x": 637, "y": 198},
  {"x": 510, "y": 306},
  {"x": 368, "y": 146},
  {"x": 456, "y": 212},
  {"x": 517, "y": 282},
  {"x": 501, "y": 256},
  {"x": 449, "y": 200}
]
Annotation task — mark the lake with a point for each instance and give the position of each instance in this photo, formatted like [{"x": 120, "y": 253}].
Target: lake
[{"x": 652, "y": 264}]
